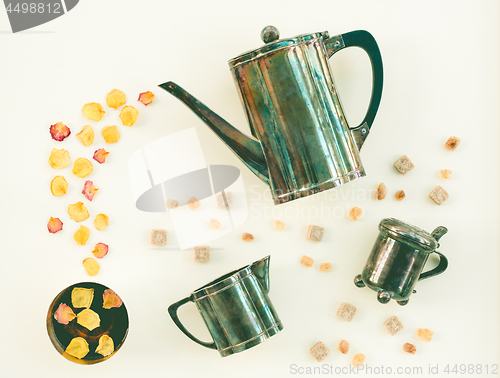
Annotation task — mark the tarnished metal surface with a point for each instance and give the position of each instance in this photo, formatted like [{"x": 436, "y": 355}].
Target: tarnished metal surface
[
  {"x": 302, "y": 142},
  {"x": 236, "y": 309},
  {"x": 398, "y": 258}
]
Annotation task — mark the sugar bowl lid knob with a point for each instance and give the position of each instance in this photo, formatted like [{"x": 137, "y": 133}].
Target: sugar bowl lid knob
[{"x": 269, "y": 34}]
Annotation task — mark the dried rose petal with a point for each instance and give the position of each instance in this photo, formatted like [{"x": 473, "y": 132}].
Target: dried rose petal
[
  {"x": 82, "y": 297},
  {"x": 89, "y": 190},
  {"x": 106, "y": 346},
  {"x": 93, "y": 111},
  {"x": 78, "y": 347},
  {"x": 82, "y": 168},
  {"x": 81, "y": 235},
  {"x": 115, "y": 98},
  {"x": 128, "y": 115},
  {"x": 59, "y": 131},
  {"x": 64, "y": 314},
  {"x": 100, "y": 250},
  {"x": 110, "y": 299},
  {"x": 54, "y": 225},
  {"x": 100, "y": 155},
  {"x": 59, "y": 159},
  {"x": 86, "y": 136},
  {"x": 58, "y": 186},
  {"x": 146, "y": 97},
  {"x": 89, "y": 319},
  {"x": 91, "y": 266},
  {"x": 101, "y": 222},
  {"x": 78, "y": 211},
  {"x": 110, "y": 134}
]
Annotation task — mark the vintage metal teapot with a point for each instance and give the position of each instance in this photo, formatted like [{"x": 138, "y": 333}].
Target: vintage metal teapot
[
  {"x": 301, "y": 141},
  {"x": 236, "y": 309},
  {"x": 398, "y": 258}
]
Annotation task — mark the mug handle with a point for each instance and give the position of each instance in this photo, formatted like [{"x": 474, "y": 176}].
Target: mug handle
[
  {"x": 172, "y": 310},
  {"x": 443, "y": 264},
  {"x": 364, "y": 40}
]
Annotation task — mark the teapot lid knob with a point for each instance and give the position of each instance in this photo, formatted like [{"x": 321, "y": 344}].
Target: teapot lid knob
[{"x": 269, "y": 34}]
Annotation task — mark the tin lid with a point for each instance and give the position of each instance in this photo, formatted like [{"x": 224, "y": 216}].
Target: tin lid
[
  {"x": 270, "y": 36},
  {"x": 408, "y": 234}
]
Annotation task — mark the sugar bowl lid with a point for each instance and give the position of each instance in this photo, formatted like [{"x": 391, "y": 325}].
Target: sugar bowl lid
[{"x": 408, "y": 234}]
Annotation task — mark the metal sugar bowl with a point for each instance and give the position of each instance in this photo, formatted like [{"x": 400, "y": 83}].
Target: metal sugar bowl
[{"x": 398, "y": 258}]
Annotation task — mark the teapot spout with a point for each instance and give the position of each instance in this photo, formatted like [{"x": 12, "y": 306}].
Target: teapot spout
[
  {"x": 261, "y": 271},
  {"x": 248, "y": 149}
]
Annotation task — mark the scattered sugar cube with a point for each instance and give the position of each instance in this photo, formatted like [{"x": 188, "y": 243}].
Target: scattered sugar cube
[
  {"x": 193, "y": 203},
  {"x": 325, "y": 267},
  {"x": 280, "y": 226},
  {"x": 307, "y": 261},
  {"x": 409, "y": 348},
  {"x": 247, "y": 237},
  {"x": 320, "y": 351},
  {"x": 400, "y": 194},
  {"x": 346, "y": 311},
  {"x": 358, "y": 359},
  {"x": 445, "y": 173},
  {"x": 224, "y": 200},
  {"x": 315, "y": 233},
  {"x": 343, "y": 347},
  {"x": 393, "y": 325},
  {"x": 202, "y": 253},
  {"x": 425, "y": 334},
  {"x": 452, "y": 143},
  {"x": 159, "y": 237},
  {"x": 213, "y": 224},
  {"x": 355, "y": 213},
  {"x": 381, "y": 191},
  {"x": 172, "y": 204},
  {"x": 439, "y": 195},
  {"x": 404, "y": 165}
]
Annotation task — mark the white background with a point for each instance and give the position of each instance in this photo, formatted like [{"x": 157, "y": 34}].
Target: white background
[{"x": 441, "y": 61}]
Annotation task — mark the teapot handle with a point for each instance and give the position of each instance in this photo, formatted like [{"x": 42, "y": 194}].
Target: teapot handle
[
  {"x": 172, "y": 310},
  {"x": 364, "y": 40}
]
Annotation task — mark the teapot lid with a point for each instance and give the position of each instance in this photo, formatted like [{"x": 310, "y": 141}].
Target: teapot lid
[
  {"x": 408, "y": 234},
  {"x": 270, "y": 36}
]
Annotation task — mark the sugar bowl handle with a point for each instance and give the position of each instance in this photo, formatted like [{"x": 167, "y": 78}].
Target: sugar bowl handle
[
  {"x": 172, "y": 310},
  {"x": 443, "y": 261},
  {"x": 364, "y": 40}
]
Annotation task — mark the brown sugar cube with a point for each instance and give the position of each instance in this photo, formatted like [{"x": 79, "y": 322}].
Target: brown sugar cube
[
  {"x": 439, "y": 195},
  {"x": 425, "y": 334},
  {"x": 343, "y": 347},
  {"x": 224, "y": 200},
  {"x": 355, "y": 213},
  {"x": 193, "y": 203},
  {"x": 400, "y": 195},
  {"x": 452, "y": 143},
  {"x": 315, "y": 233},
  {"x": 381, "y": 191},
  {"x": 358, "y": 359},
  {"x": 320, "y": 351},
  {"x": 202, "y": 253},
  {"x": 445, "y": 173},
  {"x": 393, "y": 325},
  {"x": 213, "y": 224},
  {"x": 307, "y": 261},
  {"x": 159, "y": 237},
  {"x": 280, "y": 226},
  {"x": 346, "y": 311},
  {"x": 247, "y": 237},
  {"x": 409, "y": 348},
  {"x": 325, "y": 267},
  {"x": 404, "y": 165},
  {"x": 172, "y": 204}
]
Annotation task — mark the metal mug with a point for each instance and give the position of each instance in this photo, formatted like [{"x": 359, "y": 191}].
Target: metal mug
[
  {"x": 236, "y": 309},
  {"x": 398, "y": 258},
  {"x": 302, "y": 143}
]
